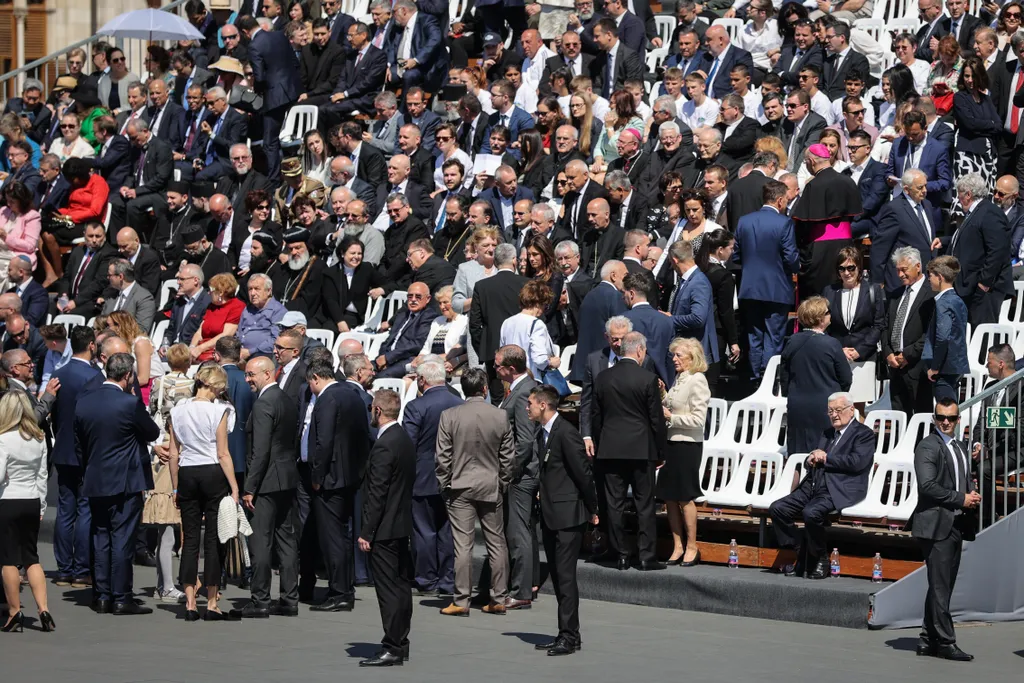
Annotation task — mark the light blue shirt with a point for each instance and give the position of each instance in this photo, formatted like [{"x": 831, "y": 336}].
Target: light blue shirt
[{"x": 54, "y": 361}]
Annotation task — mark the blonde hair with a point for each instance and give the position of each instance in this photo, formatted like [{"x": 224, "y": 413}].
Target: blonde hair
[
  {"x": 770, "y": 143},
  {"x": 125, "y": 326},
  {"x": 692, "y": 348},
  {"x": 179, "y": 357},
  {"x": 16, "y": 413},
  {"x": 214, "y": 378},
  {"x": 483, "y": 232},
  {"x": 812, "y": 312},
  {"x": 224, "y": 284}
]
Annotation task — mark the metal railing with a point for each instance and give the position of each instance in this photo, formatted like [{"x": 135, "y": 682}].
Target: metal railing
[
  {"x": 47, "y": 69},
  {"x": 998, "y": 465}
]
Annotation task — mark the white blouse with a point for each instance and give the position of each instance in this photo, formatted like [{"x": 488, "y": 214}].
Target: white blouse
[
  {"x": 530, "y": 334},
  {"x": 195, "y": 425},
  {"x": 22, "y": 469}
]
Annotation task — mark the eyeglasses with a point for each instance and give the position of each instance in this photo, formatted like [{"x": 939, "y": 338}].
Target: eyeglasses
[
  {"x": 117, "y": 60},
  {"x": 856, "y": 112},
  {"x": 395, "y": 212},
  {"x": 946, "y": 418},
  {"x": 418, "y": 296},
  {"x": 76, "y": 62},
  {"x": 68, "y": 126},
  {"x": 229, "y": 36},
  {"x": 1011, "y": 15},
  {"x": 847, "y": 269},
  {"x": 263, "y": 207},
  {"x": 836, "y": 411},
  {"x": 854, "y": 148},
  {"x": 558, "y": 182},
  {"x": 791, "y": 106},
  {"x": 278, "y": 347}
]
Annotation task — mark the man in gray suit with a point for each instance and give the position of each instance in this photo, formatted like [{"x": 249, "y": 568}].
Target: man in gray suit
[
  {"x": 475, "y": 455},
  {"x": 384, "y": 128},
  {"x": 801, "y": 128},
  {"x": 943, "y": 520},
  {"x": 131, "y": 297}
]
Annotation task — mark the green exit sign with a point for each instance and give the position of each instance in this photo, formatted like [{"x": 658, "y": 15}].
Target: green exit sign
[{"x": 1000, "y": 418}]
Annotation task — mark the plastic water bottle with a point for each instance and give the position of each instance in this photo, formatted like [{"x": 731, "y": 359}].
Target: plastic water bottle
[
  {"x": 734, "y": 556},
  {"x": 62, "y": 302},
  {"x": 876, "y": 569},
  {"x": 834, "y": 562}
]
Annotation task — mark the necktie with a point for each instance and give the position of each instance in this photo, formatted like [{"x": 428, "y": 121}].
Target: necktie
[
  {"x": 359, "y": 57},
  {"x": 120, "y": 302},
  {"x": 896, "y": 336},
  {"x": 81, "y": 272},
  {"x": 219, "y": 242},
  {"x": 684, "y": 65},
  {"x": 46, "y": 194},
  {"x": 796, "y": 59},
  {"x": 609, "y": 77},
  {"x": 711, "y": 77},
  {"x": 209, "y": 145},
  {"x": 192, "y": 130},
  {"x": 924, "y": 223},
  {"x": 955, "y": 29},
  {"x": 908, "y": 163},
  {"x": 1015, "y": 112},
  {"x": 504, "y": 120},
  {"x": 541, "y": 443},
  {"x": 280, "y": 371},
  {"x": 958, "y": 467},
  {"x": 378, "y": 39},
  {"x": 444, "y": 214},
  {"x": 138, "y": 171}
]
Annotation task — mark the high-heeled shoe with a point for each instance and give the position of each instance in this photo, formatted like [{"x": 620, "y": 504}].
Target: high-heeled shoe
[
  {"x": 692, "y": 563},
  {"x": 676, "y": 562},
  {"x": 191, "y": 615},
  {"x": 46, "y": 622},
  {"x": 15, "y": 624}
]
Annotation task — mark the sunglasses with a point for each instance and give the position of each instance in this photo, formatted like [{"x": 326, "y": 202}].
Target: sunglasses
[
  {"x": 1012, "y": 15},
  {"x": 442, "y": 139},
  {"x": 847, "y": 269},
  {"x": 263, "y": 207},
  {"x": 68, "y": 126},
  {"x": 856, "y": 112},
  {"x": 946, "y": 418},
  {"x": 117, "y": 60}
]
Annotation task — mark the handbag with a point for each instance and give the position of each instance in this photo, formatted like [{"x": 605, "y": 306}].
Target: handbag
[{"x": 552, "y": 376}]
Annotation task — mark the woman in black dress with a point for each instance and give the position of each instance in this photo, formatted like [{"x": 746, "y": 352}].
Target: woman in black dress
[
  {"x": 540, "y": 265},
  {"x": 686, "y": 408},
  {"x": 715, "y": 252},
  {"x": 348, "y": 284},
  {"x": 813, "y": 368}
]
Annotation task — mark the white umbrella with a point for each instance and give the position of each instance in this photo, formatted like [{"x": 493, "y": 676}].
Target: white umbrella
[{"x": 150, "y": 24}]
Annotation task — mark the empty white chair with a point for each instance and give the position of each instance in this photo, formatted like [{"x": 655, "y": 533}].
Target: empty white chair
[
  {"x": 889, "y": 426},
  {"x": 372, "y": 347},
  {"x": 168, "y": 289},
  {"x": 716, "y": 469},
  {"x": 773, "y": 437},
  {"x": 717, "y": 408},
  {"x": 159, "y": 330},
  {"x": 655, "y": 57},
  {"x": 383, "y": 310},
  {"x": 744, "y": 424},
  {"x": 984, "y": 337},
  {"x": 1012, "y": 311},
  {"x": 301, "y": 119},
  {"x": 754, "y": 475},
  {"x": 892, "y": 493},
  {"x": 666, "y": 26},
  {"x": 374, "y": 311},
  {"x": 904, "y": 24},
  {"x": 918, "y": 426},
  {"x": 766, "y": 390},
  {"x": 785, "y": 482},
  {"x": 408, "y": 395},
  {"x": 873, "y": 27},
  {"x": 397, "y": 385},
  {"x": 734, "y": 27},
  {"x": 68, "y": 320},
  {"x": 325, "y": 337},
  {"x": 884, "y": 401}
]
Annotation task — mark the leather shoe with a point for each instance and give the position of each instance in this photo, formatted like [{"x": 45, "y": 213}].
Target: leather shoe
[
  {"x": 81, "y": 582},
  {"x": 512, "y": 603},
  {"x": 954, "y": 653},
  {"x": 562, "y": 647},
  {"x": 251, "y": 611},
  {"x": 383, "y": 658},
  {"x": 102, "y": 606},
  {"x": 191, "y": 615},
  {"x": 692, "y": 563},
  {"x": 145, "y": 559},
  {"x": 623, "y": 563},
  {"x": 926, "y": 649},
  {"x": 494, "y": 608},
  {"x": 279, "y": 610},
  {"x": 454, "y": 610},
  {"x": 551, "y": 643},
  {"x": 335, "y": 604},
  {"x": 62, "y": 580},
  {"x": 650, "y": 565},
  {"x": 214, "y": 615},
  {"x": 131, "y": 607},
  {"x": 822, "y": 570}
]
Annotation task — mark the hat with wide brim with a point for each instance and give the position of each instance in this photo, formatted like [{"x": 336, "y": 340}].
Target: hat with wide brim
[{"x": 228, "y": 65}]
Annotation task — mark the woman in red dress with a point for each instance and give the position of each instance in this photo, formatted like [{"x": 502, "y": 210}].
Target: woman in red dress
[{"x": 221, "y": 318}]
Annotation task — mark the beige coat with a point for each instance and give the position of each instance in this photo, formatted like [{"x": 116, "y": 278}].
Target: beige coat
[
  {"x": 475, "y": 451},
  {"x": 687, "y": 400}
]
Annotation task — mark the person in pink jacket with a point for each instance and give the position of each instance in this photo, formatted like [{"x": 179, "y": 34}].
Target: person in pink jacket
[{"x": 19, "y": 225}]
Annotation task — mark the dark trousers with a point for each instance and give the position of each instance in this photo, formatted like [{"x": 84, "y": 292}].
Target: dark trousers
[
  {"x": 309, "y": 537},
  {"x": 811, "y": 502},
  {"x": 983, "y": 307},
  {"x": 765, "y": 322},
  {"x": 618, "y": 476},
  {"x": 562, "y": 548},
  {"x": 273, "y": 119},
  {"x": 362, "y": 560},
  {"x": 392, "y": 573},
  {"x": 71, "y": 534},
  {"x": 433, "y": 551},
  {"x": 333, "y": 511},
  {"x": 910, "y": 390},
  {"x": 520, "y": 538},
  {"x": 214, "y": 171},
  {"x": 942, "y": 562},
  {"x": 200, "y": 490},
  {"x": 115, "y": 522},
  {"x": 946, "y": 386},
  {"x": 494, "y": 385},
  {"x": 135, "y": 212},
  {"x": 275, "y": 523}
]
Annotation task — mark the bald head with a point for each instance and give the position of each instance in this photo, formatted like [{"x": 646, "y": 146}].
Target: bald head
[
  {"x": 599, "y": 213},
  {"x": 341, "y": 165},
  {"x": 1006, "y": 193},
  {"x": 349, "y": 347},
  {"x": 110, "y": 346},
  {"x": 9, "y": 303},
  {"x": 219, "y": 202},
  {"x": 127, "y": 242},
  {"x": 398, "y": 169}
]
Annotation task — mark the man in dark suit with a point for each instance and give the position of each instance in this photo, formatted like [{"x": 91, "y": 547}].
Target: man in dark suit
[
  {"x": 494, "y": 300},
  {"x": 933, "y": 28},
  {"x": 19, "y": 158},
  {"x": 576, "y": 285},
  {"x": 337, "y": 23},
  {"x": 433, "y": 552},
  {"x": 112, "y": 433},
  {"x": 943, "y": 520},
  {"x": 336, "y": 448},
  {"x": 114, "y": 158},
  {"x": 291, "y": 369},
  {"x": 504, "y": 195},
  {"x": 428, "y": 267},
  {"x": 961, "y": 25},
  {"x": 53, "y": 190},
  {"x": 321, "y": 64},
  {"x": 692, "y": 305},
  {"x": 603, "y": 242},
  {"x": 71, "y": 538},
  {"x": 421, "y": 161},
  {"x": 19, "y": 334},
  {"x": 568, "y": 501},
  {"x": 227, "y": 352},
  {"x": 909, "y": 220},
  {"x": 801, "y": 128},
  {"x": 995, "y": 449},
  {"x": 188, "y": 308},
  {"x": 407, "y": 333},
  {"x": 368, "y": 160},
  {"x": 738, "y": 145},
  {"x": 981, "y": 245},
  {"x": 85, "y": 275},
  {"x": 223, "y": 128},
  {"x": 945, "y": 346},
  {"x": 629, "y": 435},
  {"x": 472, "y": 132},
  {"x": 631, "y": 30},
  {"x": 746, "y": 194},
  {"x": 276, "y": 76},
  {"x": 152, "y": 167},
  {"x": 270, "y": 483},
  {"x": 632, "y": 160},
  {"x": 166, "y": 117},
  {"x": 570, "y": 56},
  {"x": 144, "y": 259},
  {"x": 874, "y": 190},
  {"x": 803, "y": 52},
  {"x": 839, "y": 470},
  {"x": 387, "y": 524},
  {"x": 842, "y": 59},
  {"x": 419, "y": 59},
  {"x": 638, "y": 290},
  {"x": 577, "y": 200},
  {"x": 31, "y": 107},
  {"x": 242, "y": 179},
  {"x": 910, "y": 314},
  {"x": 600, "y": 304},
  {"x": 616, "y": 64},
  {"x": 914, "y": 149},
  {"x": 35, "y": 303},
  {"x": 719, "y": 59},
  {"x": 404, "y": 229},
  {"x": 361, "y": 77}
]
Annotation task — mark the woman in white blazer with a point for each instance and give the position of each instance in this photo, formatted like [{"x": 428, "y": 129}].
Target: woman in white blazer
[{"x": 447, "y": 335}]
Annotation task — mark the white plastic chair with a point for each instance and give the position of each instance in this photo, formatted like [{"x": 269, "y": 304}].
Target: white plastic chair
[
  {"x": 785, "y": 482},
  {"x": 717, "y": 408},
  {"x": 1012, "y": 310},
  {"x": 918, "y": 426},
  {"x": 717, "y": 466},
  {"x": 383, "y": 309},
  {"x": 361, "y": 337},
  {"x": 882, "y": 421},
  {"x": 168, "y": 288},
  {"x": 873, "y": 27},
  {"x": 407, "y": 395},
  {"x": 744, "y": 424},
  {"x": 733, "y": 26},
  {"x": 766, "y": 391},
  {"x": 565, "y": 359},
  {"x": 892, "y": 493},
  {"x": 326, "y": 337},
  {"x": 655, "y": 58},
  {"x": 159, "y": 330},
  {"x": 754, "y": 475},
  {"x": 904, "y": 25},
  {"x": 984, "y": 337},
  {"x": 665, "y": 26},
  {"x": 396, "y": 385},
  {"x": 884, "y": 401},
  {"x": 68, "y": 320},
  {"x": 301, "y": 119},
  {"x": 372, "y": 347}
]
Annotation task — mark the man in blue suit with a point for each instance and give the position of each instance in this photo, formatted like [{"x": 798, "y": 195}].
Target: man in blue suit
[
  {"x": 945, "y": 346},
  {"x": 719, "y": 60},
  {"x": 407, "y": 333},
  {"x": 638, "y": 289},
  {"x": 275, "y": 72},
  {"x": 915, "y": 149},
  {"x": 52, "y": 193},
  {"x": 631, "y": 30},
  {"x": 600, "y": 304},
  {"x": 71, "y": 541},
  {"x": 223, "y": 127},
  {"x": 355, "y": 368},
  {"x": 418, "y": 56},
  {"x": 909, "y": 220},
  {"x": 417, "y": 114},
  {"x": 692, "y": 306},
  {"x": 112, "y": 434},
  {"x": 766, "y": 250},
  {"x": 359, "y": 82},
  {"x": 188, "y": 307},
  {"x": 228, "y": 352},
  {"x": 507, "y": 114},
  {"x": 432, "y": 549},
  {"x": 504, "y": 195},
  {"x": 870, "y": 177},
  {"x": 34, "y": 301}
]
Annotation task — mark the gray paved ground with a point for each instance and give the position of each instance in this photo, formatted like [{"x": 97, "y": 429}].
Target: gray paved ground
[{"x": 621, "y": 643}]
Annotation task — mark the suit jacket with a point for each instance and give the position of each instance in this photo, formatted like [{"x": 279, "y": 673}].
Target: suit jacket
[
  {"x": 789, "y": 72},
  {"x": 933, "y": 162},
  {"x": 900, "y": 226},
  {"x": 27, "y": 175},
  {"x": 568, "y": 495},
  {"x": 659, "y": 331},
  {"x": 693, "y": 313},
  {"x": 868, "y": 320},
  {"x": 476, "y": 450},
  {"x": 1015, "y": 219},
  {"x": 595, "y": 364},
  {"x": 834, "y": 81},
  {"x": 234, "y": 130},
  {"x": 321, "y": 68},
  {"x": 272, "y": 429},
  {"x": 626, "y": 416},
  {"x": 915, "y": 327},
  {"x": 73, "y": 377},
  {"x": 925, "y": 35},
  {"x": 363, "y": 81},
  {"x": 874, "y": 191},
  {"x": 93, "y": 281},
  {"x": 400, "y": 349},
  {"x": 35, "y": 303},
  {"x": 397, "y": 239},
  {"x": 112, "y": 436},
  {"x": 577, "y": 289},
  {"x": 812, "y": 126},
  {"x": 427, "y": 49},
  {"x": 275, "y": 69},
  {"x": 848, "y": 463},
  {"x": 597, "y": 247},
  {"x": 995, "y": 442},
  {"x": 157, "y": 168},
  {"x": 422, "y": 168},
  {"x": 339, "y": 31},
  {"x": 633, "y": 35},
  {"x": 591, "y": 191},
  {"x": 39, "y": 117},
  {"x": 745, "y": 197},
  {"x": 524, "y": 431},
  {"x": 945, "y": 345},
  {"x": 480, "y": 135},
  {"x": 553, "y": 64},
  {"x": 181, "y": 330},
  {"x": 427, "y": 124},
  {"x": 603, "y": 302},
  {"x": 139, "y": 303},
  {"x": 628, "y": 65},
  {"x": 237, "y": 188},
  {"x": 518, "y": 121},
  {"x": 59, "y": 191},
  {"x": 491, "y": 195},
  {"x": 338, "y": 294},
  {"x": 147, "y": 270},
  {"x": 193, "y": 120},
  {"x": 241, "y": 398},
  {"x": 172, "y": 124},
  {"x": 968, "y": 25},
  {"x": 720, "y": 85},
  {"x": 981, "y": 245},
  {"x": 494, "y": 299},
  {"x": 435, "y": 273},
  {"x": 35, "y": 347},
  {"x": 740, "y": 145},
  {"x": 939, "y": 499},
  {"x": 387, "y": 487},
  {"x": 420, "y": 422},
  {"x": 295, "y": 385},
  {"x": 637, "y": 167},
  {"x": 371, "y": 166},
  {"x": 338, "y": 446}
]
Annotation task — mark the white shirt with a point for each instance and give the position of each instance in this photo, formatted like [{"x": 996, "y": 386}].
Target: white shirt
[
  {"x": 1017, "y": 74},
  {"x": 822, "y": 106},
  {"x": 837, "y": 112},
  {"x": 23, "y": 471},
  {"x": 267, "y": 386},
  {"x": 533, "y": 69},
  {"x": 848, "y": 300},
  {"x": 384, "y": 428},
  {"x": 758, "y": 43},
  {"x": 920, "y": 70},
  {"x": 195, "y": 425},
  {"x": 857, "y": 171},
  {"x": 700, "y": 116},
  {"x": 405, "y": 43},
  {"x": 123, "y": 296},
  {"x": 913, "y": 209},
  {"x": 958, "y": 463}
]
